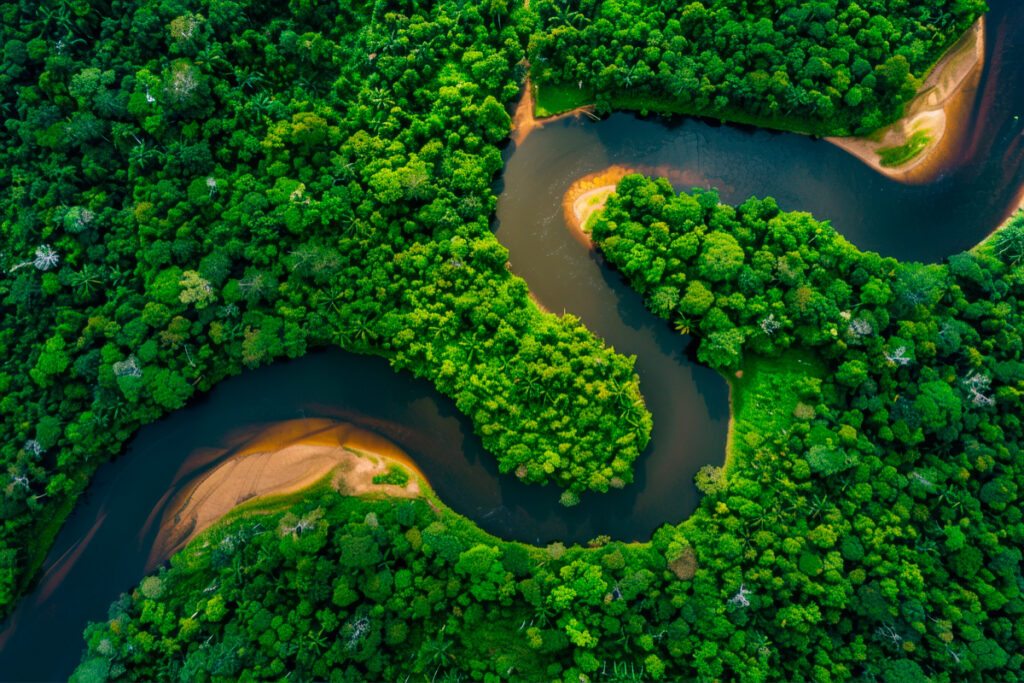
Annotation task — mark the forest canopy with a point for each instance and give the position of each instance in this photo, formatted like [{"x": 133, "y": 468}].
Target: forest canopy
[
  {"x": 872, "y": 531},
  {"x": 192, "y": 188},
  {"x": 197, "y": 188},
  {"x": 834, "y": 68}
]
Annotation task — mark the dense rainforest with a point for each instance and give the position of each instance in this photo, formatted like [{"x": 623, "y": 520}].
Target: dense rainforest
[
  {"x": 196, "y": 188},
  {"x": 866, "y": 525},
  {"x": 827, "y": 67},
  {"x": 193, "y": 188}
]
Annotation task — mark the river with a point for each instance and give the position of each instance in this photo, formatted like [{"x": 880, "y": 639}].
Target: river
[{"x": 104, "y": 546}]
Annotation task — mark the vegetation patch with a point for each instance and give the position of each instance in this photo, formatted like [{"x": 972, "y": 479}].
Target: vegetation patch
[
  {"x": 907, "y": 367},
  {"x": 892, "y": 157},
  {"x": 396, "y": 476},
  {"x": 768, "y": 396},
  {"x": 552, "y": 100},
  {"x": 905, "y": 419},
  {"x": 194, "y": 189},
  {"x": 858, "y": 64},
  {"x": 252, "y": 181}
]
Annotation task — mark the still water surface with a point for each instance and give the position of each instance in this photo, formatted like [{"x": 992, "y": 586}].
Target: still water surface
[{"x": 104, "y": 546}]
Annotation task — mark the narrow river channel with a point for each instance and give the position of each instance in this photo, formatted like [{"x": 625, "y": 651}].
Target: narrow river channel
[{"x": 104, "y": 547}]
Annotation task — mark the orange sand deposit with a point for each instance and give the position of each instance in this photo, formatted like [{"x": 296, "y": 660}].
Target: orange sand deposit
[
  {"x": 941, "y": 108},
  {"x": 284, "y": 458},
  {"x": 524, "y": 119},
  {"x": 588, "y": 195}
]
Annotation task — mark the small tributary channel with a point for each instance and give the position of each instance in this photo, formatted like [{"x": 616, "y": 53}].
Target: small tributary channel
[{"x": 104, "y": 547}]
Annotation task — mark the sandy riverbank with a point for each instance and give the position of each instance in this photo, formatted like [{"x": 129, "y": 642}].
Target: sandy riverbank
[
  {"x": 284, "y": 458},
  {"x": 941, "y": 110},
  {"x": 537, "y": 302},
  {"x": 524, "y": 118},
  {"x": 588, "y": 195}
]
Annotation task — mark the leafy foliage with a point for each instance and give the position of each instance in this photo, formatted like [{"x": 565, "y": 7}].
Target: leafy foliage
[
  {"x": 193, "y": 188},
  {"x": 911, "y": 426},
  {"x": 828, "y": 67},
  {"x": 871, "y": 533}
]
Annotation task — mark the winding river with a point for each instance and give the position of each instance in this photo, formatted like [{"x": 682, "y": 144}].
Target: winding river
[{"x": 104, "y": 546}]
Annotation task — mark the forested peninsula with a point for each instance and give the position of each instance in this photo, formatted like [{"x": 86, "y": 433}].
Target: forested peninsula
[
  {"x": 830, "y": 68},
  {"x": 195, "y": 188},
  {"x": 214, "y": 196}
]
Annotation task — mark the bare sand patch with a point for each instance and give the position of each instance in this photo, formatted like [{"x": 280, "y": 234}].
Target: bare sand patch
[
  {"x": 941, "y": 110},
  {"x": 284, "y": 458},
  {"x": 587, "y": 196}
]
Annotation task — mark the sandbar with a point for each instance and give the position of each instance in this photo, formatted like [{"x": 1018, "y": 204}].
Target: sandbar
[
  {"x": 284, "y": 458},
  {"x": 587, "y": 196},
  {"x": 941, "y": 109}
]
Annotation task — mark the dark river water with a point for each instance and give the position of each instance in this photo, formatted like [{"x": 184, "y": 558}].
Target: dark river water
[{"x": 103, "y": 548}]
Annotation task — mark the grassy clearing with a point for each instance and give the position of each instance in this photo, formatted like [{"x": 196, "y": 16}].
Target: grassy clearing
[
  {"x": 552, "y": 100},
  {"x": 765, "y": 397},
  {"x": 901, "y": 154}
]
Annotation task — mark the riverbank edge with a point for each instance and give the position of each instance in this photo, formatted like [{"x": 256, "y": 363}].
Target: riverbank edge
[
  {"x": 986, "y": 245},
  {"x": 582, "y": 201},
  {"x": 938, "y": 110},
  {"x": 864, "y": 147},
  {"x": 587, "y": 196},
  {"x": 278, "y": 462},
  {"x": 525, "y": 117},
  {"x": 279, "y": 503}
]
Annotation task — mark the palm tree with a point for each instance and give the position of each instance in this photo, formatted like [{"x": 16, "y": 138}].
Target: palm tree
[
  {"x": 564, "y": 15},
  {"x": 333, "y": 299},
  {"x": 362, "y": 329},
  {"x": 87, "y": 279},
  {"x": 317, "y": 642},
  {"x": 1009, "y": 242},
  {"x": 436, "y": 650},
  {"x": 213, "y": 56},
  {"x": 380, "y": 99},
  {"x": 387, "y": 561},
  {"x": 260, "y": 105},
  {"x": 143, "y": 155},
  {"x": 473, "y": 347},
  {"x": 819, "y": 504},
  {"x": 531, "y": 384},
  {"x": 435, "y": 329},
  {"x": 627, "y": 78},
  {"x": 248, "y": 79}
]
